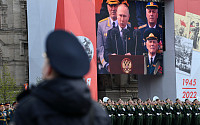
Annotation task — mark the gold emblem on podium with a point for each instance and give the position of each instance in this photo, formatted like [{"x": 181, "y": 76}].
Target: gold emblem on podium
[{"x": 126, "y": 65}]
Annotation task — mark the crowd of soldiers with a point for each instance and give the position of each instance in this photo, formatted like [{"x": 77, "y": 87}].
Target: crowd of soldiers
[
  {"x": 156, "y": 112},
  {"x": 6, "y": 113}
]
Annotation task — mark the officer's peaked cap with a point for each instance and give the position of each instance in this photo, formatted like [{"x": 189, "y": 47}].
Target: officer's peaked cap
[
  {"x": 152, "y": 5},
  {"x": 66, "y": 55},
  {"x": 151, "y": 34},
  {"x": 112, "y": 2}
]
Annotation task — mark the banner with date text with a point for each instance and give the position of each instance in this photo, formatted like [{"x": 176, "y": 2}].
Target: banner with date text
[{"x": 187, "y": 48}]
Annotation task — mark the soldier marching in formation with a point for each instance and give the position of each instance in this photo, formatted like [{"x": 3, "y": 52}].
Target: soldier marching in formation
[
  {"x": 156, "y": 112},
  {"x": 6, "y": 113}
]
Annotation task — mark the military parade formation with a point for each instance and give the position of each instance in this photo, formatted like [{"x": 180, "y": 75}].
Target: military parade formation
[
  {"x": 7, "y": 113},
  {"x": 155, "y": 112}
]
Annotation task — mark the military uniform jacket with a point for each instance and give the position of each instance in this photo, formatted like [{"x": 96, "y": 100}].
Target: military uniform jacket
[
  {"x": 148, "y": 110},
  {"x": 3, "y": 118},
  {"x": 158, "y": 109},
  {"x": 167, "y": 109},
  {"x": 61, "y": 101},
  {"x": 103, "y": 27},
  {"x": 156, "y": 67},
  {"x": 120, "y": 109},
  {"x": 139, "y": 110},
  {"x": 145, "y": 26},
  {"x": 129, "y": 109},
  {"x": 116, "y": 44},
  {"x": 187, "y": 109},
  {"x": 177, "y": 109},
  {"x": 196, "y": 109},
  {"x": 110, "y": 109}
]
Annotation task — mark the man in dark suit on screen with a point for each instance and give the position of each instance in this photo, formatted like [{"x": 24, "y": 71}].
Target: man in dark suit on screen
[{"x": 120, "y": 40}]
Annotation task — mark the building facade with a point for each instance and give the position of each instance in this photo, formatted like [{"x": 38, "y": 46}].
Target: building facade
[{"x": 14, "y": 39}]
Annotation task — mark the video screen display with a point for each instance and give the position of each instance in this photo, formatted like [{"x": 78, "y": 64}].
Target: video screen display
[{"x": 130, "y": 37}]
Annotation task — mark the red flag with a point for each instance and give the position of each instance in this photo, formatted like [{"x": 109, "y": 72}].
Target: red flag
[
  {"x": 78, "y": 17},
  {"x": 183, "y": 23}
]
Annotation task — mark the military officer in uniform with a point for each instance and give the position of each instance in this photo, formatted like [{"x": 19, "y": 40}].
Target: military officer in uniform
[
  {"x": 167, "y": 112},
  {"x": 130, "y": 109},
  {"x": 9, "y": 112},
  {"x": 14, "y": 105},
  {"x": 153, "y": 63},
  {"x": 103, "y": 26},
  {"x": 148, "y": 112},
  {"x": 178, "y": 109},
  {"x": 3, "y": 117},
  {"x": 139, "y": 109},
  {"x": 187, "y": 112},
  {"x": 158, "y": 113},
  {"x": 152, "y": 17},
  {"x": 120, "y": 110},
  {"x": 111, "y": 111},
  {"x": 140, "y": 12},
  {"x": 195, "y": 113}
]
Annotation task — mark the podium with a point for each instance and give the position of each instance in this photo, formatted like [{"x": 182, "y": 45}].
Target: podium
[{"x": 126, "y": 64}]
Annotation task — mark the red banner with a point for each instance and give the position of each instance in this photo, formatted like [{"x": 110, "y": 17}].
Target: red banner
[
  {"x": 181, "y": 6},
  {"x": 78, "y": 17},
  {"x": 187, "y": 48}
]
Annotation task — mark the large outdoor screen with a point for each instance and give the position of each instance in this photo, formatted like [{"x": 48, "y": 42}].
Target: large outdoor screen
[{"x": 130, "y": 37}]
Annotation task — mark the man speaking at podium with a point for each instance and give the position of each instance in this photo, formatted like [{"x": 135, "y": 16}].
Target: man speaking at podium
[
  {"x": 154, "y": 60},
  {"x": 120, "y": 39}
]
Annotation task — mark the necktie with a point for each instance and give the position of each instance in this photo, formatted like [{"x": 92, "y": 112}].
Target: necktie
[
  {"x": 113, "y": 24},
  {"x": 151, "y": 61},
  {"x": 123, "y": 40}
]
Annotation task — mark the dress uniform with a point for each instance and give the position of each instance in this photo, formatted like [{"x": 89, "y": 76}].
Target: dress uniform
[
  {"x": 158, "y": 114},
  {"x": 167, "y": 114},
  {"x": 9, "y": 112},
  {"x": 158, "y": 27},
  {"x": 120, "y": 114},
  {"x": 3, "y": 115},
  {"x": 177, "y": 114},
  {"x": 103, "y": 26},
  {"x": 139, "y": 109},
  {"x": 196, "y": 114},
  {"x": 154, "y": 64},
  {"x": 141, "y": 12},
  {"x": 111, "y": 113},
  {"x": 187, "y": 112},
  {"x": 130, "y": 118},
  {"x": 148, "y": 114}
]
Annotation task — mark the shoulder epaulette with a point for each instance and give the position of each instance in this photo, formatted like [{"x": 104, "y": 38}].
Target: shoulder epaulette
[
  {"x": 103, "y": 20},
  {"x": 160, "y": 26},
  {"x": 140, "y": 27}
]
